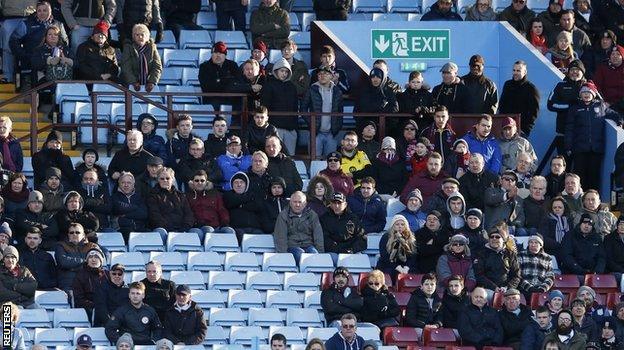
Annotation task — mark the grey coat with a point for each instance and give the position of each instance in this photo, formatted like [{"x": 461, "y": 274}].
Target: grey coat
[
  {"x": 499, "y": 207},
  {"x": 511, "y": 148},
  {"x": 302, "y": 231}
]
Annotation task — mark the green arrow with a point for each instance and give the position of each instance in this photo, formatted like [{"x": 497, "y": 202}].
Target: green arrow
[{"x": 382, "y": 44}]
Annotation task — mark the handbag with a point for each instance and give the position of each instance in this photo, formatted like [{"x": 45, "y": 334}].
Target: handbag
[{"x": 59, "y": 72}]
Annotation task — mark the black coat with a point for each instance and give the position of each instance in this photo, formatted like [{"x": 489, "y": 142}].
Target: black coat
[
  {"x": 188, "y": 326},
  {"x": 548, "y": 230},
  {"x": 520, "y": 97},
  {"x": 169, "y": 210},
  {"x": 255, "y": 137},
  {"x": 271, "y": 207},
  {"x": 214, "y": 78},
  {"x": 86, "y": 282},
  {"x": 411, "y": 99},
  {"x": 259, "y": 184},
  {"x": 25, "y": 219},
  {"x": 451, "y": 307},
  {"x": 376, "y": 100},
  {"x": 42, "y": 266},
  {"x": 245, "y": 209},
  {"x": 479, "y": 327},
  {"x": 284, "y": 167},
  {"x": 128, "y": 319},
  {"x": 534, "y": 211},
  {"x": 419, "y": 313},
  {"x": 614, "y": 246},
  {"x": 93, "y": 61},
  {"x": 513, "y": 324},
  {"x": 585, "y": 126},
  {"x": 215, "y": 146},
  {"x": 335, "y": 304},
  {"x": 107, "y": 299},
  {"x": 582, "y": 254},
  {"x": 375, "y": 302},
  {"x": 454, "y": 96},
  {"x": 472, "y": 186},
  {"x": 281, "y": 96},
  {"x": 87, "y": 219},
  {"x": 428, "y": 254},
  {"x": 134, "y": 163},
  {"x": 343, "y": 233},
  {"x": 483, "y": 95},
  {"x": 97, "y": 201},
  {"x": 555, "y": 184},
  {"x": 47, "y": 158},
  {"x": 390, "y": 176},
  {"x": 497, "y": 269},
  {"x": 160, "y": 295},
  {"x": 189, "y": 165},
  {"x": 565, "y": 94},
  {"x": 130, "y": 210},
  {"x": 533, "y": 336}
]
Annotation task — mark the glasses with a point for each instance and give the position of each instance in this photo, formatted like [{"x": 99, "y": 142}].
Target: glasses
[
  {"x": 508, "y": 179},
  {"x": 333, "y": 160},
  {"x": 409, "y": 129},
  {"x": 164, "y": 178},
  {"x": 374, "y": 284},
  {"x": 567, "y": 320},
  {"x": 75, "y": 232},
  {"x": 495, "y": 237},
  {"x": 116, "y": 273},
  {"x": 199, "y": 180},
  {"x": 348, "y": 326},
  {"x": 457, "y": 245}
]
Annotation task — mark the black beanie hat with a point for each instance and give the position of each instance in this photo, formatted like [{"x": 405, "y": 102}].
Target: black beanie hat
[
  {"x": 54, "y": 135},
  {"x": 90, "y": 150}
]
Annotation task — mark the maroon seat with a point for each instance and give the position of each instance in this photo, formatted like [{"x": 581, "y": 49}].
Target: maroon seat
[
  {"x": 401, "y": 336},
  {"x": 612, "y": 300},
  {"x": 439, "y": 337},
  {"x": 566, "y": 283},
  {"x": 328, "y": 278},
  {"x": 602, "y": 283},
  {"x": 408, "y": 282}
]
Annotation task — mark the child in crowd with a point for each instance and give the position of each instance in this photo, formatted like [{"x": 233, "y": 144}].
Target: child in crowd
[
  {"x": 456, "y": 164},
  {"x": 417, "y": 99},
  {"x": 421, "y": 151}
]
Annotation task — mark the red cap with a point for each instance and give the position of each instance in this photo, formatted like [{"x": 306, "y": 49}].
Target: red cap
[
  {"x": 101, "y": 27},
  {"x": 589, "y": 86},
  {"x": 260, "y": 45},
  {"x": 220, "y": 47},
  {"x": 508, "y": 121}
]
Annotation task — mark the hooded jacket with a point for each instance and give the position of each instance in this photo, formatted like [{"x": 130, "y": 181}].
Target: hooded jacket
[
  {"x": 298, "y": 230},
  {"x": 263, "y": 21},
  {"x": 86, "y": 282},
  {"x": 450, "y": 264},
  {"x": 52, "y": 199},
  {"x": 497, "y": 268},
  {"x": 452, "y": 220},
  {"x": 169, "y": 210},
  {"x": 423, "y": 310},
  {"x": 245, "y": 208},
  {"x": 343, "y": 233},
  {"x": 186, "y": 326},
  {"x": 379, "y": 99},
  {"x": 520, "y": 97},
  {"x": 281, "y": 96},
  {"x": 97, "y": 201},
  {"x": 454, "y": 96},
  {"x": 153, "y": 143},
  {"x": 47, "y": 158},
  {"x": 582, "y": 254},
  {"x": 335, "y": 303},
  {"x": 313, "y": 102}
]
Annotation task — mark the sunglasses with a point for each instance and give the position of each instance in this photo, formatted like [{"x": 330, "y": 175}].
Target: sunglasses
[
  {"x": 199, "y": 180},
  {"x": 348, "y": 326},
  {"x": 496, "y": 237},
  {"x": 374, "y": 284},
  {"x": 457, "y": 245},
  {"x": 409, "y": 129},
  {"x": 508, "y": 179},
  {"x": 75, "y": 232},
  {"x": 334, "y": 160},
  {"x": 113, "y": 273}
]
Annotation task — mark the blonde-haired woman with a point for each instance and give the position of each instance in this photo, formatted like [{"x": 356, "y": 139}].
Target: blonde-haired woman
[
  {"x": 380, "y": 305},
  {"x": 315, "y": 344},
  {"x": 140, "y": 62},
  {"x": 397, "y": 248},
  {"x": 17, "y": 338}
]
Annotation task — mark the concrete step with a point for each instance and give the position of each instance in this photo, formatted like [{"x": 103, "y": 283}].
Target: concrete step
[
  {"x": 7, "y": 88},
  {"x": 15, "y": 107}
]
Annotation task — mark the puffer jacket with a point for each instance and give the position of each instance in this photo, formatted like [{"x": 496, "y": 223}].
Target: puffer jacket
[
  {"x": 189, "y": 165},
  {"x": 313, "y": 102},
  {"x": 303, "y": 230},
  {"x": 263, "y": 21},
  {"x": 585, "y": 126},
  {"x": 88, "y": 12},
  {"x": 564, "y": 95},
  {"x": 70, "y": 258},
  {"x": 284, "y": 167},
  {"x": 536, "y": 270},
  {"x": 169, "y": 210},
  {"x": 231, "y": 164},
  {"x": 582, "y": 254},
  {"x": 19, "y": 289},
  {"x": 29, "y": 34},
  {"x": 488, "y": 148},
  {"x": 130, "y": 211},
  {"x": 452, "y": 306},
  {"x": 185, "y": 326},
  {"x": 483, "y": 94},
  {"x": 343, "y": 233},
  {"x": 153, "y": 143},
  {"x": 379, "y": 305},
  {"x": 421, "y": 312},
  {"x": 93, "y": 61},
  {"x": 86, "y": 282},
  {"x": 130, "y": 64},
  {"x": 281, "y": 96},
  {"x": 497, "y": 269},
  {"x": 208, "y": 208},
  {"x": 371, "y": 211}
]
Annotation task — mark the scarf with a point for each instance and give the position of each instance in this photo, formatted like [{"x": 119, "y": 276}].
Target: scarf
[
  {"x": 562, "y": 226},
  {"x": 15, "y": 271},
  {"x": 388, "y": 158},
  {"x": 182, "y": 308},
  {"x": 539, "y": 41},
  {"x": 488, "y": 15},
  {"x": 143, "y": 68},
  {"x": 400, "y": 247},
  {"x": 6, "y": 155},
  {"x": 16, "y": 197}
]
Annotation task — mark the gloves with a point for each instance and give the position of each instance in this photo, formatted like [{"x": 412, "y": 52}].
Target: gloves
[{"x": 159, "y": 33}]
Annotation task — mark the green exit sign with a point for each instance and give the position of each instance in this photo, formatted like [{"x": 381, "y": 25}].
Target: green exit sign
[
  {"x": 411, "y": 43},
  {"x": 412, "y": 66}
]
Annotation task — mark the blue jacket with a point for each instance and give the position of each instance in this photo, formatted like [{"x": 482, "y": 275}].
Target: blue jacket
[
  {"x": 416, "y": 220},
  {"x": 488, "y": 148},
  {"x": 371, "y": 212},
  {"x": 337, "y": 342},
  {"x": 16, "y": 154},
  {"x": 29, "y": 34},
  {"x": 130, "y": 211},
  {"x": 230, "y": 166},
  {"x": 533, "y": 336},
  {"x": 153, "y": 143},
  {"x": 177, "y": 147},
  {"x": 585, "y": 126}
]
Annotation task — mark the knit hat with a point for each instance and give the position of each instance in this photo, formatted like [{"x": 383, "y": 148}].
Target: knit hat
[
  {"x": 577, "y": 64},
  {"x": 371, "y": 123},
  {"x": 5, "y": 229},
  {"x": 164, "y": 342},
  {"x": 415, "y": 194},
  {"x": 476, "y": 212},
  {"x": 608, "y": 34},
  {"x": 459, "y": 239},
  {"x": 537, "y": 237},
  {"x": 590, "y": 87},
  {"x": 376, "y": 72},
  {"x": 240, "y": 176},
  {"x": 369, "y": 344},
  {"x": 54, "y": 135},
  {"x": 220, "y": 47},
  {"x": 388, "y": 143},
  {"x": 585, "y": 289},
  {"x": 90, "y": 150},
  {"x": 425, "y": 141},
  {"x": 458, "y": 141},
  {"x": 411, "y": 122},
  {"x": 97, "y": 253},
  {"x": 125, "y": 338},
  {"x": 587, "y": 219},
  {"x": 341, "y": 270},
  {"x": 101, "y": 28},
  {"x": 449, "y": 67},
  {"x": 398, "y": 217},
  {"x": 10, "y": 250},
  {"x": 35, "y": 196},
  {"x": 435, "y": 213},
  {"x": 260, "y": 45},
  {"x": 336, "y": 155},
  {"x": 53, "y": 171},
  {"x": 555, "y": 293},
  {"x": 451, "y": 180}
]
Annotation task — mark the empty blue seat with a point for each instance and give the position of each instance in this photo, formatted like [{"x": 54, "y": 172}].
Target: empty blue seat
[
  {"x": 195, "y": 39},
  {"x": 301, "y": 281},
  {"x": 321, "y": 333},
  {"x": 394, "y": 206},
  {"x": 170, "y": 261},
  {"x": 193, "y": 279},
  {"x": 70, "y": 318},
  {"x": 168, "y": 41},
  {"x": 316, "y": 263},
  {"x": 294, "y": 22},
  {"x": 283, "y": 299},
  {"x": 303, "y": 318},
  {"x": 379, "y": 17},
  {"x": 302, "y": 6},
  {"x": 404, "y": 6},
  {"x": 207, "y": 299},
  {"x": 500, "y": 5},
  {"x": 51, "y": 299},
  {"x": 52, "y": 336},
  {"x": 312, "y": 299},
  {"x": 145, "y": 242},
  {"x": 221, "y": 242},
  {"x": 247, "y": 335},
  {"x": 171, "y": 76},
  {"x": 183, "y": 89},
  {"x": 215, "y": 335},
  {"x": 537, "y": 5},
  {"x": 316, "y": 166},
  {"x": 226, "y": 317},
  {"x": 208, "y": 20},
  {"x": 204, "y": 55},
  {"x": 183, "y": 58},
  {"x": 306, "y": 19},
  {"x": 244, "y": 299},
  {"x": 34, "y": 318},
  {"x": 241, "y": 55},
  {"x": 204, "y": 261},
  {"x": 190, "y": 76},
  {"x": 302, "y": 39},
  {"x": 112, "y": 241},
  {"x": 369, "y": 6},
  {"x": 263, "y": 280},
  {"x": 371, "y": 333},
  {"x": 356, "y": 263},
  {"x": 279, "y": 262},
  {"x": 258, "y": 243},
  {"x": 426, "y": 5},
  {"x": 71, "y": 92},
  {"x": 133, "y": 261},
  {"x": 83, "y": 112},
  {"x": 265, "y": 317},
  {"x": 225, "y": 280},
  {"x": 183, "y": 242},
  {"x": 234, "y": 39},
  {"x": 292, "y": 333},
  {"x": 235, "y": 261}
]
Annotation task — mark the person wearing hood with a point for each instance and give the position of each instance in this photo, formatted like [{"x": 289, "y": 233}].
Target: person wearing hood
[
  {"x": 73, "y": 212},
  {"x": 368, "y": 205},
  {"x": 583, "y": 322},
  {"x": 375, "y": 98},
  {"x": 280, "y": 95},
  {"x": 282, "y": 165},
  {"x": 600, "y": 51},
  {"x": 440, "y": 133},
  {"x": 483, "y": 97},
  {"x": 534, "y": 334},
  {"x": 53, "y": 191},
  {"x": 456, "y": 261},
  {"x": 216, "y": 74},
  {"x": 152, "y": 143},
  {"x": 417, "y": 99},
  {"x": 140, "y": 61},
  {"x": 10, "y": 147},
  {"x": 481, "y": 10},
  {"x": 442, "y": 10},
  {"x": 207, "y": 204},
  {"x": 233, "y": 161},
  {"x": 518, "y": 15},
  {"x": 340, "y": 299},
  {"x": 95, "y": 197},
  {"x": 346, "y": 338},
  {"x": 324, "y": 96},
  {"x": 124, "y": 342},
  {"x": 428, "y": 181},
  {"x": 244, "y": 206},
  {"x": 512, "y": 145},
  {"x": 380, "y": 306},
  {"x": 582, "y": 249},
  {"x": 520, "y": 96},
  {"x": 454, "y": 213},
  {"x": 423, "y": 308},
  {"x": 452, "y": 92},
  {"x": 270, "y": 23},
  {"x": 179, "y": 140},
  {"x": 34, "y": 216},
  {"x": 71, "y": 254},
  {"x": 132, "y": 157},
  {"x": 481, "y": 140},
  {"x": 388, "y": 168},
  {"x": 368, "y": 141},
  {"x": 614, "y": 246},
  {"x": 397, "y": 248},
  {"x": 39, "y": 261},
  {"x": 300, "y": 76},
  {"x": 96, "y": 58},
  {"x": 320, "y": 193},
  {"x": 478, "y": 323},
  {"x": 184, "y": 322},
  {"x": 416, "y": 217},
  {"x": 474, "y": 231},
  {"x": 18, "y": 284},
  {"x": 110, "y": 295},
  {"x": 550, "y": 17},
  {"x": 609, "y": 78},
  {"x": 198, "y": 160},
  {"x": 88, "y": 279},
  {"x": 555, "y": 226},
  {"x": 565, "y": 334},
  {"x": 128, "y": 210},
  {"x": 90, "y": 158},
  {"x": 497, "y": 267},
  {"x": 342, "y": 231},
  {"x": 167, "y": 206},
  {"x": 536, "y": 268},
  {"x": 51, "y": 155},
  {"x": 502, "y": 202},
  {"x": 274, "y": 203}
]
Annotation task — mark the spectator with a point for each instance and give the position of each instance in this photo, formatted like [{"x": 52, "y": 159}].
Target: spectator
[
  {"x": 456, "y": 261},
  {"x": 340, "y": 299},
  {"x": 244, "y": 206},
  {"x": 514, "y": 318},
  {"x": 132, "y": 157},
  {"x": 258, "y": 131},
  {"x": 90, "y": 158},
  {"x": 53, "y": 191},
  {"x": 125, "y": 342},
  {"x": 14, "y": 14},
  {"x": 168, "y": 207},
  {"x": 617, "y": 318},
  {"x": 259, "y": 178},
  {"x": 328, "y": 59},
  {"x": 324, "y": 96},
  {"x": 300, "y": 76},
  {"x": 451, "y": 92},
  {"x": 342, "y": 231},
  {"x": 474, "y": 231},
  {"x": 481, "y": 89},
  {"x": 555, "y": 180},
  {"x": 512, "y": 145},
  {"x": 73, "y": 212},
  {"x": 18, "y": 283},
  {"x": 503, "y": 203},
  {"x": 440, "y": 133},
  {"x": 71, "y": 254},
  {"x": 280, "y": 95},
  {"x": 320, "y": 192},
  {"x": 380, "y": 305},
  {"x": 159, "y": 292},
  {"x": 555, "y": 225},
  {"x": 614, "y": 245},
  {"x": 347, "y": 337},
  {"x": 207, "y": 204},
  {"x": 536, "y": 268},
  {"x": 600, "y": 52},
  {"x": 535, "y": 205},
  {"x": 270, "y": 22},
  {"x": 481, "y": 11},
  {"x": 580, "y": 40},
  {"x": 582, "y": 15},
  {"x": 110, "y": 295},
  {"x": 88, "y": 279},
  {"x": 233, "y": 161},
  {"x": 81, "y": 17},
  {"x": 51, "y": 155},
  {"x": 475, "y": 181},
  {"x": 582, "y": 249},
  {"x": 397, "y": 248},
  {"x": 184, "y": 322},
  {"x": 250, "y": 82},
  {"x": 428, "y": 181},
  {"x": 536, "y": 34},
  {"x": 561, "y": 54},
  {"x": 179, "y": 16},
  {"x": 455, "y": 212},
  {"x": 423, "y": 308},
  {"x": 593, "y": 309},
  {"x": 260, "y": 54},
  {"x": 368, "y": 142},
  {"x": 179, "y": 139},
  {"x": 15, "y": 194},
  {"x": 297, "y": 229},
  {"x": 582, "y": 322},
  {"x": 441, "y": 11},
  {"x": 438, "y": 200},
  {"x": 518, "y": 15},
  {"x": 478, "y": 323},
  {"x": 389, "y": 83},
  {"x": 555, "y": 302},
  {"x": 197, "y": 160},
  {"x": 353, "y": 161},
  {"x": 606, "y": 333},
  {"x": 216, "y": 142},
  {"x": 388, "y": 168},
  {"x": 520, "y": 96},
  {"x": 573, "y": 193},
  {"x": 96, "y": 58},
  {"x": 95, "y": 197},
  {"x": 497, "y": 267},
  {"x": 129, "y": 210},
  {"x": 534, "y": 334},
  {"x": 140, "y": 63},
  {"x": 375, "y": 98},
  {"x": 413, "y": 213},
  {"x": 368, "y": 206},
  {"x": 417, "y": 99},
  {"x": 455, "y": 299},
  {"x": 164, "y": 344},
  {"x": 480, "y": 140},
  {"x": 136, "y": 318},
  {"x": 10, "y": 148},
  {"x": 216, "y": 74},
  {"x": 550, "y": 18},
  {"x": 604, "y": 220},
  {"x": 406, "y": 143},
  {"x": 282, "y": 165},
  {"x": 16, "y": 334},
  {"x": 142, "y": 12},
  {"x": 231, "y": 11},
  {"x": 51, "y": 60},
  {"x": 565, "y": 334},
  {"x": 38, "y": 261},
  {"x": 421, "y": 152},
  {"x": 274, "y": 203}
]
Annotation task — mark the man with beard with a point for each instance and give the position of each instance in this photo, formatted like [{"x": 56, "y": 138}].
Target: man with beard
[
  {"x": 518, "y": 15},
  {"x": 564, "y": 335},
  {"x": 534, "y": 334},
  {"x": 483, "y": 97},
  {"x": 340, "y": 299},
  {"x": 451, "y": 92},
  {"x": 428, "y": 181},
  {"x": 249, "y": 82},
  {"x": 520, "y": 96}
]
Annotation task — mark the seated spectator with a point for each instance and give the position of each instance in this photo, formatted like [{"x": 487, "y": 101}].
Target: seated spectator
[
  {"x": 497, "y": 267},
  {"x": 413, "y": 213},
  {"x": 346, "y": 337},
  {"x": 232, "y": 161},
  {"x": 604, "y": 221},
  {"x": 455, "y": 213},
  {"x": 550, "y": 18},
  {"x": 34, "y": 216},
  {"x": 580, "y": 39},
  {"x": 417, "y": 99},
  {"x": 184, "y": 322},
  {"x": 14, "y": 14},
  {"x": 16, "y": 334},
  {"x": 244, "y": 206},
  {"x": 71, "y": 254},
  {"x": 599, "y": 54},
  {"x": 573, "y": 193},
  {"x": 520, "y": 96},
  {"x": 534, "y": 334},
  {"x": 479, "y": 324},
  {"x": 340, "y": 299},
  {"x": 88, "y": 279},
  {"x": 136, "y": 318},
  {"x": 274, "y": 203},
  {"x": 324, "y": 96},
  {"x": 81, "y": 18},
  {"x": 455, "y": 299},
  {"x": 51, "y": 59},
  {"x": 179, "y": 16},
  {"x": 441, "y": 11},
  {"x": 475, "y": 181},
  {"x": 328, "y": 59},
  {"x": 618, "y": 317},
  {"x": 374, "y": 98},
  {"x": 440, "y": 133},
  {"x": 216, "y": 142},
  {"x": 270, "y": 23},
  {"x": 481, "y": 11},
  {"x": 561, "y": 54},
  {"x": 474, "y": 231},
  {"x": 38, "y": 261},
  {"x": 614, "y": 245},
  {"x": 51, "y": 155},
  {"x": 259, "y": 130},
  {"x": 96, "y": 58},
  {"x": 207, "y": 204},
  {"x": 514, "y": 317},
  {"x": 297, "y": 229},
  {"x": 140, "y": 62},
  {"x": 167, "y": 206},
  {"x": 438, "y": 200},
  {"x": 259, "y": 177},
  {"x": 73, "y": 213},
  {"x": 406, "y": 143},
  {"x": 341, "y": 182},
  {"x": 534, "y": 206},
  {"x": 128, "y": 210},
  {"x": 480, "y": 140},
  {"x": 197, "y": 160},
  {"x": 606, "y": 332},
  {"x": 592, "y": 308},
  {"x": 179, "y": 139},
  {"x": 149, "y": 180},
  {"x": 536, "y": 268},
  {"x": 565, "y": 333},
  {"x": 582, "y": 250},
  {"x": 5, "y": 236},
  {"x": 342, "y": 231},
  {"x": 555, "y": 180},
  {"x": 428, "y": 181},
  {"x": 368, "y": 206},
  {"x": 501, "y": 202},
  {"x": 159, "y": 292},
  {"x": 320, "y": 192},
  {"x": 583, "y": 322},
  {"x": 18, "y": 283},
  {"x": 380, "y": 305},
  {"x": 388, "y": 168},
  {"x": 216, "y": 74},
  {"x": 430, "y": 242},
  {"x": 512, "y": 145},
  {"x": 421, "y": 151},
  {"x": 397, "y": 248},
  {"x": 110, "y": 295},
  {"x": 555, "y": 225},
  {"x": 132, "y": 157},
  {"x": 12, "y": 160},
  {"x": 280, "y": 95},
  {"x": 89, "y": 161},
  {"x": 53, "y": 191},
  {"x": 152, "y": 143},
  {"x": 456, "y": 261},
  {"x": 423, "y": 308},
  {"x": 536, "y": 35},
  {"x": 282, "y": 165},
  {"x": 518, "y": 15},
  {"x": 260, "y": 54},
  {"x": 555, "y": 302},
  {"x": 451, "y": 92},
  {"x": 368, "y": 142},
  {"x": 95, "y": 196}
]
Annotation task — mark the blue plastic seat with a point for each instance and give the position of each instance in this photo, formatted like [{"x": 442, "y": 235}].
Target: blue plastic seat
[
  {"x": 302, "y": 39},
  {"x": 306, "y": 19},
  {"x": 168, "y": 41},
  {"x": 265, "y": 317},
  {"x": 183, "y": 242},
  {"x": 258, "y": 243},
  {"x": 292, "y": 333},
  {"x": 227, "y": 317},
  {"x": 51, "y": 299},
  {"x": 133, "y": 261},
  {"x": 312, "y": 299},
  {"x": 190, "y": 76},
  {"x": 404, "y": 6},
  {"x": 321, "y": 333},
  {"x": 303, "y": 318},
  {"x": 279, "y": 262},
  {"x": 207, "y": 299},
  {"x": 208, "y": 20},
  {"x": 180, "y": 58},
  {"x": 369, "y": 6},
  {"x": 112, "y": 241},
  {"x": 316, "y": 263},
  {"x": 204, "y": 261},
  {"x": 145, "y": 242},
  {"x": 221, "y": 242},
  {"x": 356, "y": 263},
  {"x": 215, "y": 335},
  {"x": 52, "y": 336},
  {"x": 234, "y": 39},
  {"x": 193, "y": 279},
  {"x": 301, "y": 281},
  {"x": 246, "y": 335},
  {"x": 171, "y": 76},
  {"x": 235, "y": 261},
  {"x": 263, "y": 280},
  {"x": 244, "y": 299},
  {"x": 170, "y": 261},
  {"x": 283, "y": 299},
  {"x": 195, "y": 39},
  {"x": 302, "y": 6},
  {"x": 225, "y": 280},
  {"x": 389, "y": 17},
  {"x": 71, "y": 92},
  {"x": 34, "y": 318},
  {"x": 70, "y": 318}
]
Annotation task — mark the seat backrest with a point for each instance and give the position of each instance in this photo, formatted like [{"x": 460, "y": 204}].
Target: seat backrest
[
  {"x": 400, "y": 336},
  {"x": 204, "y": 261},
  {"x": 280, "y": 262},
  {"x": 407, "y": 282},
  {"x": 566, "y": 283},
  {"x": 439, "y": 337}
]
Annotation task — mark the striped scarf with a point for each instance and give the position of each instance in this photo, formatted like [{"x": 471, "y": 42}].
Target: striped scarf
[{"x": 143, "y": 69}]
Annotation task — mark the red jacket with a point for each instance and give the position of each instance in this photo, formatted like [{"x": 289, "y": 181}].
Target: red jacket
[
  {"x": 208, "y": 208},
  {"x": 419, "y": 164},
  {"x": 427, "y": 184},
  {"x": 340, "y": 181},
  {"x": 610, "y": 82}
]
